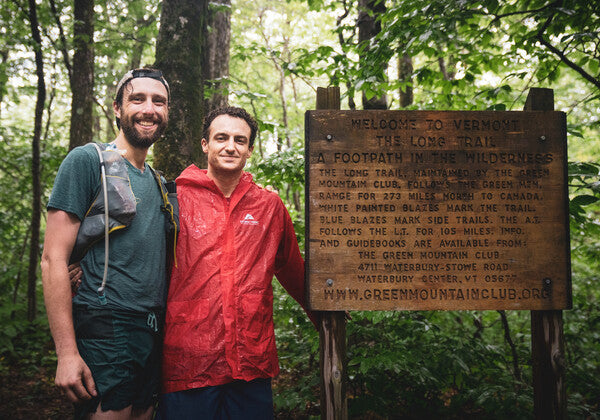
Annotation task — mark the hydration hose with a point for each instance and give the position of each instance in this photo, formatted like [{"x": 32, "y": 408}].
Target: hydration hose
[{"x": 101, "y": 295}]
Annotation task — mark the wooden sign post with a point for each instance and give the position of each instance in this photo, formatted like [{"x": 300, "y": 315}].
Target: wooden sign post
[
  {"x": 332, "y": 331},
  {"x": 428, "y": 210},
  {"x": 547, "y": 335}
]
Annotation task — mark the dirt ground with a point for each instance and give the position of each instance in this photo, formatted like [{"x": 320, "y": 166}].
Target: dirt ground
[
  {"x": 27, "y": 391},
  {"x": 31, "y": 396}
]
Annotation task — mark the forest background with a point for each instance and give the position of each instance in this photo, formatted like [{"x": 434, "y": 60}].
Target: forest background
[{"x": 59, "y": 64}]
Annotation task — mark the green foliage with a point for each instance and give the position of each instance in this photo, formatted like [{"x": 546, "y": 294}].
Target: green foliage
[
  {"x": 22, "y": 343},
  {"x": 284, "y": 171},
  {"x": 428, "y": 364},
  {"x": 296, "y": 389},
  {"x": 583, "y": 177},
  {"x": 268, "y": 70},
  {"x": 15, "y": 190},
  {"x": 282, "y": 168},
  {"x": 461, "y": 49}
]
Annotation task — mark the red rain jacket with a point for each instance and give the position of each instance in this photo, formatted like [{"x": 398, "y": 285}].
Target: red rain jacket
[{"x": 219, "y": 320}]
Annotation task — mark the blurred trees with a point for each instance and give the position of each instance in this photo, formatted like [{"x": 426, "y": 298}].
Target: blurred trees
[
  {"x": 216, "y": 54},
  {"x": 36, "y": 207}
]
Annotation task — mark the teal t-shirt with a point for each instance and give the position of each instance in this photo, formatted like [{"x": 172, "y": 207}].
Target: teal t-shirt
[{"x": 136, "y": 272}]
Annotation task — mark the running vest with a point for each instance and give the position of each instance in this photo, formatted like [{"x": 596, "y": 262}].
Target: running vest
[{"x": 121, "y": 204}]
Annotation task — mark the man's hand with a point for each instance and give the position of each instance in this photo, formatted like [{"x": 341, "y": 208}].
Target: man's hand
[
  {"x": 75, "y": 275},
  {"x": 269, "y": 188},
  {"x": 74, "y": 379}
]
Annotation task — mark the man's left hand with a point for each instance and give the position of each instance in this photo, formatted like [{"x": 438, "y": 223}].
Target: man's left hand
[{"x": 75, "y": 275}]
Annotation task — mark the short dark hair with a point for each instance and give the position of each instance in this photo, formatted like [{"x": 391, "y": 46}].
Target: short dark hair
[
  {"x": 134, "y": 74},
  {"x": 232, "y": 111}
]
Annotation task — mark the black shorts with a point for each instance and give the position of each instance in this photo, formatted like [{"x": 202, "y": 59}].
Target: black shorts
[{"x": 123, "y": 351}]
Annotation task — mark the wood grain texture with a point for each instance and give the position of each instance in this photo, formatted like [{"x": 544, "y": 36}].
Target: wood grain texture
[
  {"x": 547, "y": 331},
  {"x": 332, "y": 325},
  {"x": 425, "y": 210}
]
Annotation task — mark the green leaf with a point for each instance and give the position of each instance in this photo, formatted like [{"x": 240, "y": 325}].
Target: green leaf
[{"x": 584, "y": 200}]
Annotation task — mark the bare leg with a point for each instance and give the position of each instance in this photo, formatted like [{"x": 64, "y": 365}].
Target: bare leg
[
  {"x": 125, "y": 414},
  {"x": 142, "y": 413}
]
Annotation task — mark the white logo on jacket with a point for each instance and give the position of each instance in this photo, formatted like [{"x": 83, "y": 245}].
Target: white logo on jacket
[{"x": 248, "y": 220}]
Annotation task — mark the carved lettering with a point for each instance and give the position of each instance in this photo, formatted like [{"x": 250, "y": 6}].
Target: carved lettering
[{"x": 426, "y": 210}]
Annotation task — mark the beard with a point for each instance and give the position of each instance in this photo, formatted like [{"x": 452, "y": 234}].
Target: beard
[{"x": 137, "y": 139}]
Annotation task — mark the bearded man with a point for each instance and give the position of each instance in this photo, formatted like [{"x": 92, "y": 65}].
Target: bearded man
[{"x": 108, "y": 335}]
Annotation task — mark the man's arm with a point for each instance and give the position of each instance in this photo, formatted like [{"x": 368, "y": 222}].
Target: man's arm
[
  {"x": 73, "y": 376},
  {"x": 289, "y": 266}
]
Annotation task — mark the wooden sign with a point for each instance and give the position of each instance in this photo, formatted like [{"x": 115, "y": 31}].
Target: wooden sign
[{"x": 423, "y": 210}]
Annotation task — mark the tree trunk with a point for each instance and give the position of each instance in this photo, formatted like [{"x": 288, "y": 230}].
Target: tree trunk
[
  {"x": 179, "y": 52},
  {"x": 341, "y": 39},
  {"x": 216, "y": 54},
  {"x": 284, "y": 51},
  {"x": 36, "y": 210},
  {"x": 142, "y": 37},
  {"x": 405, "y": 71},
  {"x": 82, "y": 80},
  {"x": 447, "y": 74},
  {"x": 108, "y": 127},
  {"x": 368, "y": 28},
  {"x": 3, "y": 73}
]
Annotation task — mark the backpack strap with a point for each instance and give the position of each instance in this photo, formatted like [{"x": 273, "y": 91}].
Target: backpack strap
[
  {"x": 101, "y": 296},
  {"x": 168, "y": 192}
]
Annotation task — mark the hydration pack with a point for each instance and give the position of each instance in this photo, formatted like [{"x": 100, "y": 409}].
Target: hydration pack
[{"x": 116, "y": 186}]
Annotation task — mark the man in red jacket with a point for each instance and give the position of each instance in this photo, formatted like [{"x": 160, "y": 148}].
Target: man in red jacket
[{"x": 219, "y": 350}]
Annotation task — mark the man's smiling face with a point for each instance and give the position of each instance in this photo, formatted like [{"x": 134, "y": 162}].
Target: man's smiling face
[{"x": 144, "y": 112}]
